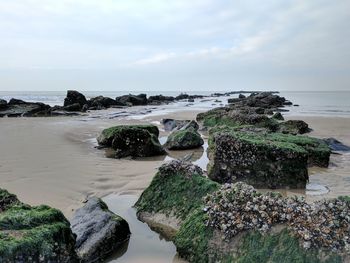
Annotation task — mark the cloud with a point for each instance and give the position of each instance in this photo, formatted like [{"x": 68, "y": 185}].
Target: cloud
[{"x": 224, "y": 39}]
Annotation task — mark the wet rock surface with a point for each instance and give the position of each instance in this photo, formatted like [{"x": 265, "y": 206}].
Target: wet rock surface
[
  {"x": 99, "y": 231},
  {"x": 74, "y": 98},
  {"x": 186, "y": 137},
  {"x": 33, "y": 233},
  {"x": 132, "y": 140},
  {"x": 336, "y": 145}
]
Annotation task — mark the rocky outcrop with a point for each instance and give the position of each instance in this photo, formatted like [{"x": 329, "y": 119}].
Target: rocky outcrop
[
  {"x": 74, "y": 101},
  {"x": 132, "y": 140},
  {"x": 20, "y": 108},
  {"x": 294, "y": 127},
  {"x": 278, "y": 116},
  {"x": 235, "y": 223},
  {"x": 3, "y": 104},
  {"x": 187, "y": 137},
  {"x": 33, "y": 233},
  {"x": 99, "y": 232},
  {"x": 336, "y": 145},
  {"x": 132, "y": 100},
  {"x": 102, "y": 102},
  {"x": 160, "y": 99},
  {"x": 263, "y": 159}
]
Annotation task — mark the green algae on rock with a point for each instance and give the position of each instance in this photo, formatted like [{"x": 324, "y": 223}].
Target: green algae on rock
[
  {"x": 132, "y": 140},
  {"x": 34, "y": 234},
  {"x": 179, "y": 192},
  {"x": 263, "y": 159},
  {"x": 184, "y": 139}
]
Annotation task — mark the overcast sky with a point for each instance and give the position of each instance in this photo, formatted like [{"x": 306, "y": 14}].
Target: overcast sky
[{"x": 184, "y": 45}]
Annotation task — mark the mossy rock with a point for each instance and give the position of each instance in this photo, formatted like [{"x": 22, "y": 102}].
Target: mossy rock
[
  {"x": 184, "y": 139},
  {"x": 107, "y": 135},
  {"x": 294, "y": 127},
  {"x": 198, "y": 243},
  {"x": 35, "y": 234},
  {"x": 132, "y": 140}
]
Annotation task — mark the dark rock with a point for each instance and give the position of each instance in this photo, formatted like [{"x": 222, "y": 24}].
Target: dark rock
[
  {"x": 73, "y": 107},
  {"x": 99, "y": 231},
  {"x": 74, "y": 97},
  {"x": 184, "y": 139},
  {"x": 287, "y": 103},
  {"x": 258, "y": 159},
  {"x": 132, "y": 140},
  {"x": 336, "y": 145},
  {"x": 132, "y": 100},
  {"x": 33, "y": 233},
  {"x": 278, "y": 116},
  {"x": 3, "y": 104},
  {"x": 294, "y": 127},
  {"x": 160, "y": 99},
  {"x": 189, "y": 125},
  {"x": 190, "y": 100},
  {"x": 20, "y": 108},
  {"x": 241, "y": 96},
  {"x": 296, "y": 105},
  {"x": 102, "y": 102}
]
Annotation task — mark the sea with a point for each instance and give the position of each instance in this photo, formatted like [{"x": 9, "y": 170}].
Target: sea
[{"x": 311, "y": 103}]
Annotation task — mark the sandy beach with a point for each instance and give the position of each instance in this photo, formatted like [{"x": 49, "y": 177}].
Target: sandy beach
[{"x": 53, "y": 160}]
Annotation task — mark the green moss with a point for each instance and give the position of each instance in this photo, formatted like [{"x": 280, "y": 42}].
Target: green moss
[
  {"x": 192, "y": 240},
  {"x": 175, "y": 193},
  {"x": 36, "y": 232},
  {"x": 276, "y": 248},
  {"x": 108, "y": 134},
  {"x": 7, "y": 200}
]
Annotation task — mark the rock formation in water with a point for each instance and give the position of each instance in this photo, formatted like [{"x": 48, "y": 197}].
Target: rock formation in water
[
  {"x": 235, "y": 223},
  {"x": 132, "y": 140},
  {"x": 99, "y": 232}
]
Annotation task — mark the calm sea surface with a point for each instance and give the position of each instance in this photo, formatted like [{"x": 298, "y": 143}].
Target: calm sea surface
[{"x": 334, "y": 103}]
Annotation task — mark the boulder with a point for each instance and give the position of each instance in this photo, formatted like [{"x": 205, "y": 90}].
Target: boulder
[
  {"x": 74, "y": 97},
  {"x": 184, "y": 139},
  {"x": 236, "y": 223},
  {"x": 73, "y": 107},
  {"x": 132, "y": 100},
  {"x": 294, "y": 127},
  {"x": 159, "y": 99},
  {"x": 172, "y": 124},
  {"x": 132, "y": 140},
  {"x": 259, "y": 159},
  {"x": 278, "y": 116},
  {"x": 3, "y": 104},
  {"x": 20, "y": 108},
  {"x": 102, "y": 102},
  {"x": 33, "y": 233},
  {"x": 99, "y": 232},
  {"x": 336, "y": 145}
]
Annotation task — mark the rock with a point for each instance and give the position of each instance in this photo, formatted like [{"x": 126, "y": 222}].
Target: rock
[
  {"x": 102, "y": 102},
  {"x": 3, "y": 104},
  {"x": 294, "y": 127},
  {"x": 184, "y": 139},
  {"x": 132, "y": 140},
  {"x": 74, "y": 98},
  {"x": 336, "y": 145},
  {"x": 107, "y": 135},
  {"x": 160, "y": 99},
  {"x": 99, "y": 231},
  {"x": 261, "y": 160},
  {"x": 278, "y": 116},
  {"x": 33, "y": 233},
  {"x": 235, "y": 223},
  {"x": 73, "y": 107},
  {"x": 20, "y": 108},
  {"x": 189, "y": 125},
  {"x": 171, "y": 124},
  {"x": 241, "y": 96},
  {"x": 132, "y": 100},
  {"x": 190, "y": 100}
]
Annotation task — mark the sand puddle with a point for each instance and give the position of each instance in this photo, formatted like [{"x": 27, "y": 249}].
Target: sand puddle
[{"x": 145, "y": 245}]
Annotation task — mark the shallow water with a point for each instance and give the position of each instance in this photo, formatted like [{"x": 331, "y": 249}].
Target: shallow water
[{"x": 144, "y": 245}]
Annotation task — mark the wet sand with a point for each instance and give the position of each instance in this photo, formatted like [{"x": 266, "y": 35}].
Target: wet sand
[{"x": 53, "y": 161}]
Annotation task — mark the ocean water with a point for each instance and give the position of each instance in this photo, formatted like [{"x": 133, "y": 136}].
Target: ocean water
[{"x": 311, "y": 103}]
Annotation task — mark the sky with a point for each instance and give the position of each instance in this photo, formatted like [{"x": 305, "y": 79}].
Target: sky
[{"x": 209, "y": 45}]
